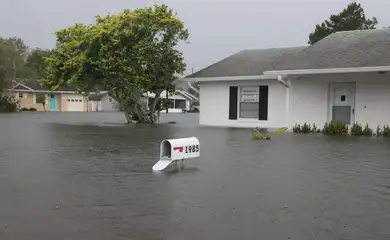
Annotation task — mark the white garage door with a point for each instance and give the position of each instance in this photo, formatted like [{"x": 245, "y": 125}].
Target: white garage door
[{"x": 75, "y": 104}]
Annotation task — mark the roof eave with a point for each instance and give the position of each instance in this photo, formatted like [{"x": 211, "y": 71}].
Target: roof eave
[
  {"x": 328, "y": 71},
  {"x": 230, "y": 78}
]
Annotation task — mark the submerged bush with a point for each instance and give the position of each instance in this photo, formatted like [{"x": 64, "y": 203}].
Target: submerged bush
[
  {"x": 335, "y": 128},
  {"x": 306, "y": 128},
  {"x": 8, "y": 103},
  {"x": 297, "y": 128},
  {"x": 367, "y": 131},
  {"x": 356, "y": 129},
  {"x": 384, "y": 132}
]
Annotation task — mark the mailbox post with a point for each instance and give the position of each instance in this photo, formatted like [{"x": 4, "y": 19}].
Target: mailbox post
[{"x": 172, "y": 150}]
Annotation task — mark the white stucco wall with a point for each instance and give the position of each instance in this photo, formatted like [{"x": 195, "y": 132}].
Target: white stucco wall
[
  {"x": 309, "y": 98},
  {"x": 108, "y": 106},
  {"x": 214, "y": 104}
]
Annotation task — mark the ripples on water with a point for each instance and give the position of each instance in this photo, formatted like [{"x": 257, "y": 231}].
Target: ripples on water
[{"x": 88, "y": 176}]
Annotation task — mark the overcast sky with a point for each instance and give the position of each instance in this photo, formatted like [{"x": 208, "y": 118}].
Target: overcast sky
[{"x": 218, "y": 28}]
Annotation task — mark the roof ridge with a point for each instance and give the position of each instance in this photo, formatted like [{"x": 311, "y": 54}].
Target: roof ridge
[
  {"x": 272, "y": 48},
  {"x": 360, "y": 30}
]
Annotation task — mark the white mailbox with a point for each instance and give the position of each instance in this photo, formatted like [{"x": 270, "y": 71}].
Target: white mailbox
[{"x": 177, "y": 149}]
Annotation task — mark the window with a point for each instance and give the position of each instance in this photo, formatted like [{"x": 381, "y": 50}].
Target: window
[
  {"x": 249, "y": 102},
  {"x": 169, "y": 103},
  {"x": 20, "y": 95},
  {"x": 180, "y": 103},
  {"x": 40, "y": 98},
  {"x": 110, "y": 99},
  {"x": 343, "y": 98}
]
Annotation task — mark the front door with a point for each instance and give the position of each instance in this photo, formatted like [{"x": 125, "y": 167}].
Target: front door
[
  {"x": 53, "y": 102},
  {"x": 343, "y": 102}
]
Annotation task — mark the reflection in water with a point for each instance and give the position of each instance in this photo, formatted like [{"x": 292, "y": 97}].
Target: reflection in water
[{"x": 88, "y": 176}]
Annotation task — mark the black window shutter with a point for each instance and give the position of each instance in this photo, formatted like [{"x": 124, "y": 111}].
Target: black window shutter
[
  {"x": 263, "y": 103},
  {"x": 233, "y": 97}
]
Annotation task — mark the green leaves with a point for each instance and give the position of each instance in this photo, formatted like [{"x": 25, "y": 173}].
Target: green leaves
[{"x": 351, "y": 18}]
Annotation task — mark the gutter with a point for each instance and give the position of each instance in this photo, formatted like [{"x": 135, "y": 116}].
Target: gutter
[
  {"x": 230, "y": 78},
  {"x": 328, "y": 70},
  {"x": 282, "y": 81}
]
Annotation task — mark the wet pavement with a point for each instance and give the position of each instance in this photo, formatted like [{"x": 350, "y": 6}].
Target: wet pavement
[{"x": 88, "y": 176}]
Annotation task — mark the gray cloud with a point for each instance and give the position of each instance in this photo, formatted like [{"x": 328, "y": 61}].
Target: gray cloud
[{"x": 218, "y": 28}]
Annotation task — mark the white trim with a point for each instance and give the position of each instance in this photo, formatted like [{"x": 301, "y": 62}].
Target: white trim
[
  {"x": 230, "y": 78},
  {"x": 328, "y": 70},
  {"x": 193, "y": 88},
  {"x": 19, "y": 84}
]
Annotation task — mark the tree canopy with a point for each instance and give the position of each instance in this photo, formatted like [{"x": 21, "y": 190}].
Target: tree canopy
[
  {"x": 13, "y": 53},
  {"x": 128, "y": 54},
  {"x": 351, "y": 18},
  {"x": 35, "y": 65}
]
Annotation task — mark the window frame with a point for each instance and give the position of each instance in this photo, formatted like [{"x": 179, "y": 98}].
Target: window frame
[{"x": 256, "y": 101}]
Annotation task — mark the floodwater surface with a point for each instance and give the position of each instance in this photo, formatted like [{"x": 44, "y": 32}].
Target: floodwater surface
[{"x": 88, "y": 176}]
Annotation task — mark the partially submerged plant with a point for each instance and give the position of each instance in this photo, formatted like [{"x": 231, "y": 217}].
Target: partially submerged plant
[
  {"x": 259, "y": 136},
  {"x": 297, "y": 128},
  {"x": 356, "y": 129},
  {"x": 306, "y": 128},
  {"x": 335, "y": 128},
  {"x": 367, "y": 131}
]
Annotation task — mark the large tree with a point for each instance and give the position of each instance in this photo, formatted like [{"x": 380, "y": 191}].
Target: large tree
[
  {"x": 13, "y": 54},
  {"x": 35, "y": 65},
  {"x": 128, "y": 54},
  {"x": 351, "y": 18}
]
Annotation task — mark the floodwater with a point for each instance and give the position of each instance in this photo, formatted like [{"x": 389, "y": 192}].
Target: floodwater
[{"x": 87, "y": 176}]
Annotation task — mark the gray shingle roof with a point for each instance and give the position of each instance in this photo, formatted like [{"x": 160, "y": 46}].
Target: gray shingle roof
[
  {"x": 360, "y": 48},
  {"x": 246, "y": 63}
]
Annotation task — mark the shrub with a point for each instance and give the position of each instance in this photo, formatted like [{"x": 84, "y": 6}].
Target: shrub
[
  {"x": 356, "y": 130},
  {"x": 386, "y": 131},
  {"x": 24, "y": 109},
  {"x": 297, "y": 128},
  {"x": 8, "y": 103},
  {"x": 306, "y": 128},
  {"x": 33, "y": 109},
  {"x": 335, "y": 128},
  {"x": 367, "y": 131}
]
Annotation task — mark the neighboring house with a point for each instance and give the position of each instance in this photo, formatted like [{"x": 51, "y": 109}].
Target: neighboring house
[
  {"x": 177, "y": 101},
  {"x": 344, "y": 77},
  {"x": 65, "y": 99},
  {"x": 105, "y": 103}
]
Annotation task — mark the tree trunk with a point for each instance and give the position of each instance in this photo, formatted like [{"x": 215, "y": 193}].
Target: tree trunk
[{"x": 44, "y": 107}]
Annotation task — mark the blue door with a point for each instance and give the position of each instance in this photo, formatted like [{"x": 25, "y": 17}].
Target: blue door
[{"x": 52, "y": 102}]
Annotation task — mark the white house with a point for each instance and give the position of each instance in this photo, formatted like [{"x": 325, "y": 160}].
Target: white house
[
  {"x": 177, "y": 102},
  {"x": 105, "y": 104},
  {"x": 344, "y": 77}
]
